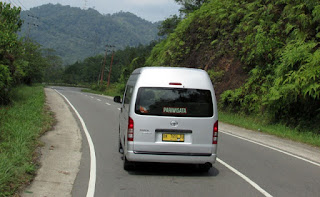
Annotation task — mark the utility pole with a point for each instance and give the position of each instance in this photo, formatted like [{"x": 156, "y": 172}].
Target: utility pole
[
  {"x": 28, "y": 38},
  {"x": 110, "y": 69},
  {"x": 103, "y": 66},
  {"x": 85, "y": 4}
]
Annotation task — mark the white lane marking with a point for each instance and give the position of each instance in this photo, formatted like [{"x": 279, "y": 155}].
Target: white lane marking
[
  {"x": 86, "y": 95},
  {"x": 91, "y": 96},
  {"x": 108, "y": 104},
  {"x": 272, "y": 148},
  {"x": 98, "y": 100},
  {"x": 119, "y": 109},
  {"x": 92, "y": 180},
  {"x": 256, "y": 186}
]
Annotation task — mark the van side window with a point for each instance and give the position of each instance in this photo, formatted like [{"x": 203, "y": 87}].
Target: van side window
[{"x": 128, "y": 96}]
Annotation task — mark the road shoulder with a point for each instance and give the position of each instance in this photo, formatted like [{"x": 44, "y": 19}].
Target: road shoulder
[
  {"x": 61, "y": 154},
  {"x": 299, "y": 149}
]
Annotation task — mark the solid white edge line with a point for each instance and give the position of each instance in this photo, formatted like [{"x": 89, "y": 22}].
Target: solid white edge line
[
  {"x": 92, "y": 180},
  {"x": 272, "y": 148},
  {"x": 256, "y": 186}
]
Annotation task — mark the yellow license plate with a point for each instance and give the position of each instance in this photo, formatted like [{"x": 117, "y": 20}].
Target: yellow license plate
[{"x": 172, "y": 137}]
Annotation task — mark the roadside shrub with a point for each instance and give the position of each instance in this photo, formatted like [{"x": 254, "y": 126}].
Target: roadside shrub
[{"x": 99, "y": 87}]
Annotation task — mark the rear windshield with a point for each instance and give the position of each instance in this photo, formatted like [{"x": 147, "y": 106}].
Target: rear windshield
[{"x": 174, "y": 102}]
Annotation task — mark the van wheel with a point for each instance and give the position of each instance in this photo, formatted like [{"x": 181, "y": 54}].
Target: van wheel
[
  {"x": 120, "y": 146},
  {"x": 127, "y": 165}
]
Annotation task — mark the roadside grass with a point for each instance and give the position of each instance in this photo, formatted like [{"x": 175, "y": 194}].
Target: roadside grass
[
  {"x": 112, "y": 90},
  {"x": 22, "y": 123},
  {"x": 260, "y": 125}
]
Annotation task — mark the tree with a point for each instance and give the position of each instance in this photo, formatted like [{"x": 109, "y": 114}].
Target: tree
[
  {"x": 10, "y": 47},
  {"x": 189, "y": 6},
  {"x": 35, "y": 63},
  {"x": 168, "y": 25},
  {"x": 52, "y": 73}
]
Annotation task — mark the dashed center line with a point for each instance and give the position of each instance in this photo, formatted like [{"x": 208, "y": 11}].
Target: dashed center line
[
  {"x": 108, "y": 104},
  {"x": 98, "y": 100},
  {"x": 91, "y": 96}
]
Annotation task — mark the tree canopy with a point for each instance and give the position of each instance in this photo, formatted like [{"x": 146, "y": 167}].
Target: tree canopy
[
  {"x": 21, "y": 60},
  {"x": 189, "y": 6}
]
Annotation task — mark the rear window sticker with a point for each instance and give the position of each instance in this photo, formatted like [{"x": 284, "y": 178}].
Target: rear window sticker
[{"x": 174, "y": 110}]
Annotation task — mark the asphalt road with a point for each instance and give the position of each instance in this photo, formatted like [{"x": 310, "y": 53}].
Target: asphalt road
[{"x": 243, "y": 169}]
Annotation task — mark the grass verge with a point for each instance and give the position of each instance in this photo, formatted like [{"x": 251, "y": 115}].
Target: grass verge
[
  {"x": 257, "y": 124},
  {"x": 112, "y": 90},
  {"x": 22, "y": 123}
]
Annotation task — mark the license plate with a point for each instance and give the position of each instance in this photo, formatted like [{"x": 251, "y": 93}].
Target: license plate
[{"x": 166, "y": 137}]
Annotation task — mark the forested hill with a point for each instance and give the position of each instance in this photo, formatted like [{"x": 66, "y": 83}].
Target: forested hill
[
  {"x": 262, "y": 56},
  {"x": 75, "y": 33}
]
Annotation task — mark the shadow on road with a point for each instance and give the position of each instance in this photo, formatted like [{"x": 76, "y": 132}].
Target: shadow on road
[{"x": 160, "y": 169}]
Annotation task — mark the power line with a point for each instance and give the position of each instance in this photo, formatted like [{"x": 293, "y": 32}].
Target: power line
[
  {"x": 22, "y": 4},
  {"x": 14, "y": 4}
]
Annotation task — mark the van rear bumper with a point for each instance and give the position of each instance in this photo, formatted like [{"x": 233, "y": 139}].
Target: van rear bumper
[{"x": 186, "y": 158}]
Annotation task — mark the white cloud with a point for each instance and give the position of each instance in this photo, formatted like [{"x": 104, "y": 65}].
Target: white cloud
[
  {"x": 148, "y": 2},
  {"x": 152, "y": 10}
]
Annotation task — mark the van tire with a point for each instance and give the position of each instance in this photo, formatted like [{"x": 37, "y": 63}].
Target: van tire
[
  {"x": 127, "y": 165},
  {"x": 120, "y": 146}
]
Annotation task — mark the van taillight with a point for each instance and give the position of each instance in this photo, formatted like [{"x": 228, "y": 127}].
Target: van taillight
[
  {"x": 130, "y": 129},
  {"x": 215, "y": 133},
  {"x": 175, "y": 83}
]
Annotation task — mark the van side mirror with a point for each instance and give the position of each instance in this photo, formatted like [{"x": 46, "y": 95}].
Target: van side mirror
[{"x": 117, "y": 99}]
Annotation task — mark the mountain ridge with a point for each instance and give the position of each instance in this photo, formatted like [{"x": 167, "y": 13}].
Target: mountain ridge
[{"x": 76, "y": 34}]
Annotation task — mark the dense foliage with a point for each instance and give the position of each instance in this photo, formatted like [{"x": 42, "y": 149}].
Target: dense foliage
[
  {"x": 21, "y": 60},
  {"x": 277, "y": 43},
  {"x": 9, "y": 48},
  {"x": 169, "y": 25},
  {"x": 187, "y": 6},
  {"x": 76, "y": 34}
]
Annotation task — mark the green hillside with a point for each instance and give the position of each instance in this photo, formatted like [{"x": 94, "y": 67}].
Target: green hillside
[
  {"x": 263, "y": 56},
  {"x": 75, "y": 33}
]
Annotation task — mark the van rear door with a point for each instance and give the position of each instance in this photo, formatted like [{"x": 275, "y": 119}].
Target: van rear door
[{"x": 173, "y": 121}]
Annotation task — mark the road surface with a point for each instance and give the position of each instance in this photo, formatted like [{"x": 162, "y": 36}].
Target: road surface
[{"x": 244, "y": 167}]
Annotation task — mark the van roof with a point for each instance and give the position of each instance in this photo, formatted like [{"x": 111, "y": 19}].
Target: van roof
[{"x": 163, "y": 76}]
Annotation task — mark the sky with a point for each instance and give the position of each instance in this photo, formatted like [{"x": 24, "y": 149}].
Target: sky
[{"x": 151, "y": 10}]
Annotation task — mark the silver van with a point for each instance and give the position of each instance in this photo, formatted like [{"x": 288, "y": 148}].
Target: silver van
[{"x": 168, "y": 115}]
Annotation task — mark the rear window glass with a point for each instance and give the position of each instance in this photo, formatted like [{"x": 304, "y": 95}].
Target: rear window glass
[{"x": 174, "y": 102}]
